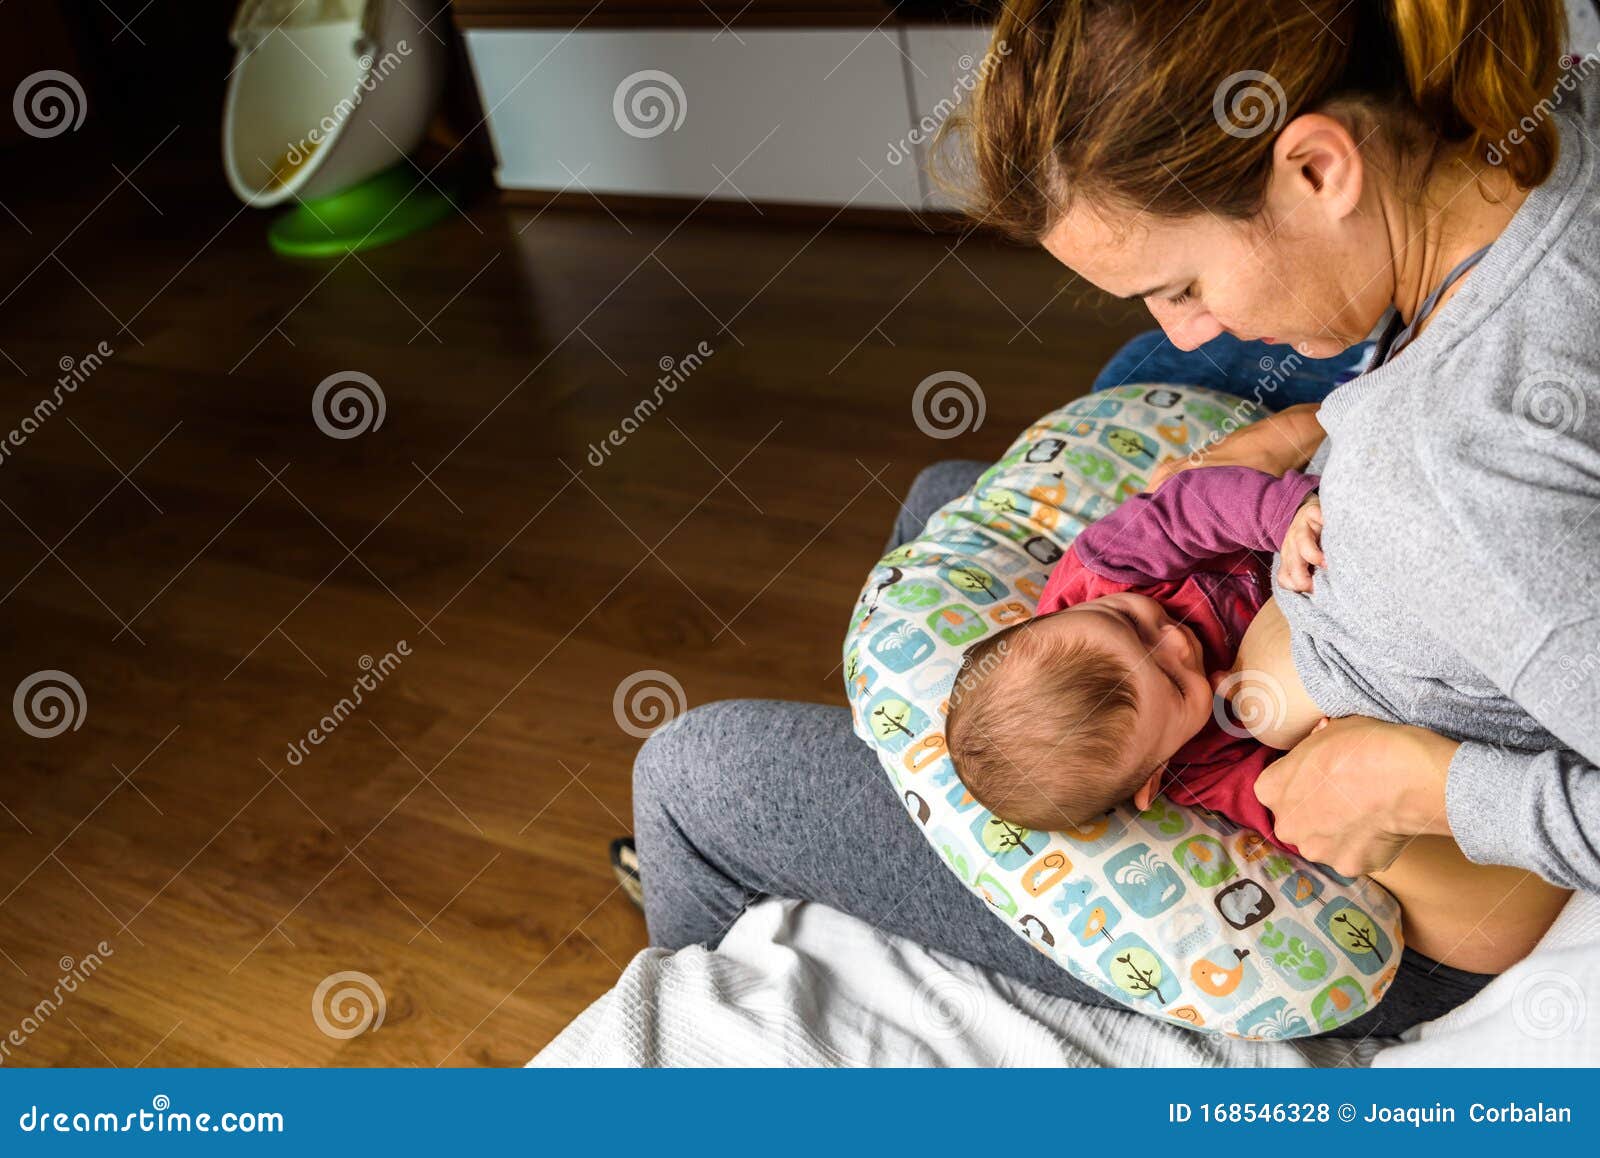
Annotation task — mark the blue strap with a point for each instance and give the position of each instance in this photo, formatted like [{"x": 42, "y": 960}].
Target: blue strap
[{"x": 1393, "y": 342}]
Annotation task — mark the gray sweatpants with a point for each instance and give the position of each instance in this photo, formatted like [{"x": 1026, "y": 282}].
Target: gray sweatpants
[{"x": 742, "y": 798}]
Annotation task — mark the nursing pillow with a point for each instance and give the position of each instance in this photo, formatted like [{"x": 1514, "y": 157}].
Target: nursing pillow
[{"x": 1177, "y": 912}]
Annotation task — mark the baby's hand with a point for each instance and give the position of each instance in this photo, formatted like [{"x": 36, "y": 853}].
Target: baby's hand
[{"x": 1302, "y": 547}]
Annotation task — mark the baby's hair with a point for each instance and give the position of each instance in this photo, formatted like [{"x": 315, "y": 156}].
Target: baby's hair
[{"x": 1039, "y": 726}]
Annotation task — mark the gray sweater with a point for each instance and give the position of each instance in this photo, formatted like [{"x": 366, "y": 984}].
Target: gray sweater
[{"x": 1461, "y": 492}]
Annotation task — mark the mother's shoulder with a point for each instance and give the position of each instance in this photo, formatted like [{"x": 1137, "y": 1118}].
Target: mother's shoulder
[
  {"x": 1527, "y": 330},
  {"x": 1515, "y": 405},
  {"x": 1540, "y": 281}
]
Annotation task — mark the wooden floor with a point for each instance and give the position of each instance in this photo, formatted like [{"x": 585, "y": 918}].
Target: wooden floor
[{"x": 183, "y": 540}]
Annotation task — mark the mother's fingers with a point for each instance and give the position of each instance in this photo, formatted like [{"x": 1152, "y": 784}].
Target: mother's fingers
[{"x": 1270, "y": 784}]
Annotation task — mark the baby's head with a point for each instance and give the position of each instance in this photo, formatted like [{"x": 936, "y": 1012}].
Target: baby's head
[{"x": 1057, "y": 719}]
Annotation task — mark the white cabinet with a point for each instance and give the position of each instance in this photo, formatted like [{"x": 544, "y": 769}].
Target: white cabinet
[
  {"x": 946, "y": 63},
  {"x": 772, "y": 114}
]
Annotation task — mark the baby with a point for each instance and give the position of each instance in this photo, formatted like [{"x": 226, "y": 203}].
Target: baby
[
  {"x": 1121, "y": 686},
  {"x": 1158, "y": 663}
]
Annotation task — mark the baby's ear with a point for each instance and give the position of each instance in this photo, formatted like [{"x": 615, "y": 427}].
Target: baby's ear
[{"x": 1145, "y": 796}]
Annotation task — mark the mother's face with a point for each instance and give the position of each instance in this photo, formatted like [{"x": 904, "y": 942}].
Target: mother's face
[{"x": 1311, "y": 270}]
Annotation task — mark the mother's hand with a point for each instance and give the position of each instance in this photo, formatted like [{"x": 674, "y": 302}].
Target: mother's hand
[
  {"x": 1353, "y": 793},
  {"x": 1281, "y": 442}
]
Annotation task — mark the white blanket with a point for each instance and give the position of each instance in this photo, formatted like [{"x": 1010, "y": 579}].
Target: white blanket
[
  {"x": 1543, "y": 1011},
  {"x": 796, "y": 984}
]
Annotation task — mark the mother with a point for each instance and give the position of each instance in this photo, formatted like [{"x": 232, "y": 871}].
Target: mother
[{"x": 1380, "y": 151}]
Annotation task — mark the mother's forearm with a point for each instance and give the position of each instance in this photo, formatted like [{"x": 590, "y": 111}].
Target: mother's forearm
[
  {"x": 1539, "y": 811},
  {"x": 1276, "y": 444},
  {"x": 1297, "y": 434}
]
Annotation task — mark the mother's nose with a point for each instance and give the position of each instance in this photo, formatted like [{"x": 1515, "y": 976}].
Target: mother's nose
[{"x": 1186, "y": 328}]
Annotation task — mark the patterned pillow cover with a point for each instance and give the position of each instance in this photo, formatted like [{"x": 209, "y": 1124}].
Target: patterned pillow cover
[{"x": 1178, "y": 912}]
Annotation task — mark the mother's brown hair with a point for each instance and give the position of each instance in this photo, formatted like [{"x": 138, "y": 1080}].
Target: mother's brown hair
[{"x": 1171, "y": 106}]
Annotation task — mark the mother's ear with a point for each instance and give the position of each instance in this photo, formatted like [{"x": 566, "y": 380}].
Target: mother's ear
[{"x": 1317, "y": 166}]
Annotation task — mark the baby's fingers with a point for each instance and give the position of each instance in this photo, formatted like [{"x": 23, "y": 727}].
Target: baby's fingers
[
  {"x": 1311, "y": 549},
  {"x": 1293, "y": 571},
  {"x": 1305, "y": 540}
]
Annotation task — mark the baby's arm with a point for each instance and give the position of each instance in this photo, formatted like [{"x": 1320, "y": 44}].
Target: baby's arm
[{"x": 1197, "y": 516}]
